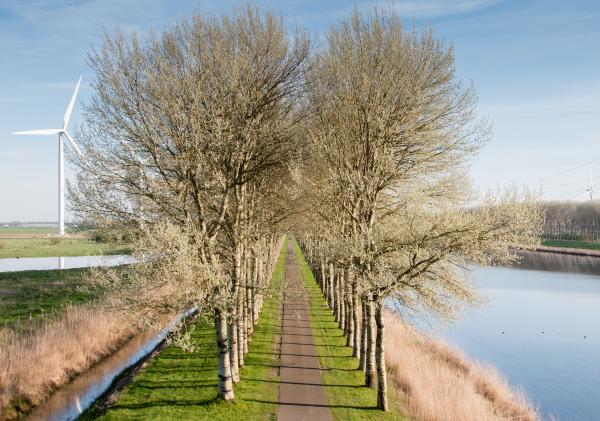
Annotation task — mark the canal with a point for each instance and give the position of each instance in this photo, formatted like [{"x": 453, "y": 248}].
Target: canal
[{"x": 541, "y": 327}]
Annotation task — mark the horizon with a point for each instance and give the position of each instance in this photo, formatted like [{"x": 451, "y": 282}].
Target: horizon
[{"x": 530, "y": 63}]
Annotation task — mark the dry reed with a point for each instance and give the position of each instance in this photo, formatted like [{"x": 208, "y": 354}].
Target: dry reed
[
  {"x": 35, "y": 362},
  {"x": 439, "y": 383}
]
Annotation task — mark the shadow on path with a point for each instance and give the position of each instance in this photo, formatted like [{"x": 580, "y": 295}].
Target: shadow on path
[{"x": 301, "y": 392}]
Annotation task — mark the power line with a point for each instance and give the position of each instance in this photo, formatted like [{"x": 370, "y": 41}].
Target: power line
[
  {"x": 572, "y": 195},
  {"x": 570, "y": 169},
  {"x": 563, "y": 185}
]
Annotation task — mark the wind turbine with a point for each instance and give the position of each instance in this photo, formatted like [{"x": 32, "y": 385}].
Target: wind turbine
[
  {"x": 139, "y": 160},
  {"x": 61, "y": 156},
  {"x": 590, "y": 191}
]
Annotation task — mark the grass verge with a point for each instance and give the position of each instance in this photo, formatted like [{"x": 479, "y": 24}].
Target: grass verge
[
  {"x": 347, "y": 396},
  {"x": 182, "y": 385},
  {"x": 571, "y": 244}
]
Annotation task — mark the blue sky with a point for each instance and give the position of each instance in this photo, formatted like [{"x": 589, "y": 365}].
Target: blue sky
[{"x": 535, "y": 64}]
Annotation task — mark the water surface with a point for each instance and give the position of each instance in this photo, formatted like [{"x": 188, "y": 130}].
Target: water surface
[
  {"x": 69, "y": 402},
  {"x": 542, "y": 330},
  {"x": 53, "y": 263}
]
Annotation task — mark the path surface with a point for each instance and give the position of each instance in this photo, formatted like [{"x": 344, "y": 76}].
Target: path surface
[{"x": 301, "y": 392}]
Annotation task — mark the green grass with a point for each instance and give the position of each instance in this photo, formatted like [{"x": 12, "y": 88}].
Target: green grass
[
  {"x": 29, "y": 231},
  {"x": 347, "y": 396},
  {"x": 36, "y": 293},
  {"x": 182, "y": 385},
  {"x": 571, "y": 244},
  {"x": 50, "y": 247}
]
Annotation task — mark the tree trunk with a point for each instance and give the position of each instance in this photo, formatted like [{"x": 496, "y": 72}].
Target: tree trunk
[
  {"x": 342, "y": 300},
  {"x": 382, "y": 402},
  {"x": 326, "y": 285},
  {"x": 246, "y": 300},
  {"x": 240, "y": 317},
  {"x": 323, "y": 276},
  {"x": 370, "y": 375},
  {"x": 349, "y": 312},
  {"x": 331, "y": 286},
  {"x": 253, "y": 295},
  {"x": 239, "y": 305},
  {"x": 363, "y": 343},
  {"x": 258, "y": 292},
  {"x": 357, "y": 336},
  {"x": 336, "y": 292},
  {"x": 234, "y": 328},
  {"x": 253, "y": 308},
  {"x": 225, "y": 382},
  {"x": 233, "y": 349}
]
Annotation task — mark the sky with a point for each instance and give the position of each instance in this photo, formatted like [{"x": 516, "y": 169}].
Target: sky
[{"x": 535, "y": 65}]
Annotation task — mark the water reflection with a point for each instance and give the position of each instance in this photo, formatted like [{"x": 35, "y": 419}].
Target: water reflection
[
  {"x": 69, "y": 402},
  {"x": 53, "y": 263},
  {"x": 540, "y": 329},
  {"x": 558, "y": 262}
]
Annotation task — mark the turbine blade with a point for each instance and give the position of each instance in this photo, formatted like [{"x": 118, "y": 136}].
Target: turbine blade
[
  {"x": 41, "y": 132},
  {"x": 73, "y": 144},
  {"x": 71, "y": 104}
]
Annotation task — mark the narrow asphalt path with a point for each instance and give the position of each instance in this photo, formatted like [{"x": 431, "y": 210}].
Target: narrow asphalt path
[{"x": 301, "y": 392}]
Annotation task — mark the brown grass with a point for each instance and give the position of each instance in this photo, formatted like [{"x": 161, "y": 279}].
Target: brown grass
[
  {"x": 34, "y": 363},
  {"x": 439, "y": 384}
]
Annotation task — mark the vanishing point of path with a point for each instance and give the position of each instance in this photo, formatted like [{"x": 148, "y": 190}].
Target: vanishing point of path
[{"x": 301, "y": 392}]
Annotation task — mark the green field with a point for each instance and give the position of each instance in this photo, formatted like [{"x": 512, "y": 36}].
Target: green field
[
  {"x": 29, "y": 231},
  {"x": 571, "y": 244},
  {"x": 42, "y": 242},
  {"x": 182, "y": 385},
  {"x": 347, "y": 396},
  {"x": 34, "y": 294}
]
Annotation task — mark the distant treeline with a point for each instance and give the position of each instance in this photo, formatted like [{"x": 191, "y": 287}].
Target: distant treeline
[{"x": 572, "y": 220}]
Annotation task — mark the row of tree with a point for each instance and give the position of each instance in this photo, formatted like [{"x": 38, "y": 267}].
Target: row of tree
[
  {"x": 572, "y": 220},
  {"x": 213, "y": 138},
  {"x": 389, "y": 138},
  {"x": 189, "y": 139}
]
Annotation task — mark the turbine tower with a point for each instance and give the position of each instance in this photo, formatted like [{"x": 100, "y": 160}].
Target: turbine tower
[
  {"x": 590, "y": 191},
  {"x": 61, "y": 156}
]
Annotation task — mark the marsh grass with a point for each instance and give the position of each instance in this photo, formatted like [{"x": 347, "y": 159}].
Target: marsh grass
[
  {"x": 439, "y": 383},
  {"x": 48, "y": 334},
  {"x": 35, "y": 362}
]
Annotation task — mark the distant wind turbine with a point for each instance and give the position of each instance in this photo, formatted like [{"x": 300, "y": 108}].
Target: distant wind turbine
[
  {"x": 61, "y": 157},
  {"x": 590, "y": 191}
]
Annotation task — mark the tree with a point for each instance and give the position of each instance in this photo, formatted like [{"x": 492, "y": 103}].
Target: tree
[
  {"x": 392, "y": 134},
  {"x": 181, "y": 126}
]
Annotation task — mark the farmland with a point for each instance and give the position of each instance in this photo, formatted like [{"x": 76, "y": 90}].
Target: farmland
[{"x": 42, "y": 242}]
